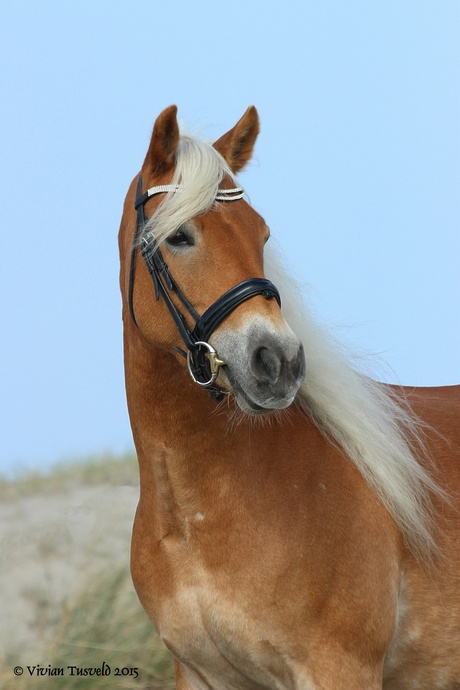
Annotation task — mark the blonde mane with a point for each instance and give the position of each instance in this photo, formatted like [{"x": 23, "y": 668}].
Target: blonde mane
[{"x": 380, "y": 435}]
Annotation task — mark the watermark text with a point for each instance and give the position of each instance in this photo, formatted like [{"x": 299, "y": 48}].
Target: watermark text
[{"x": 39, "y": 670}]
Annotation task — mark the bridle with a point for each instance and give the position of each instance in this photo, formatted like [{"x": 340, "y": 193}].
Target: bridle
[{"x": 202, "y": 359}]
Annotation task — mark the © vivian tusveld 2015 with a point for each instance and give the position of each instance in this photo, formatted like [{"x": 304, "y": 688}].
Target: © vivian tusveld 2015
[
  {"x": 297, "y": 526},
  {"x": 103, "y": 670}
]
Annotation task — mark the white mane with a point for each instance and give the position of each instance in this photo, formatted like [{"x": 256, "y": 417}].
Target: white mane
[{"x": 379, "y": 435}]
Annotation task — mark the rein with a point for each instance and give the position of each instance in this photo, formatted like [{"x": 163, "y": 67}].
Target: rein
[{"x": 202, "y": 359}]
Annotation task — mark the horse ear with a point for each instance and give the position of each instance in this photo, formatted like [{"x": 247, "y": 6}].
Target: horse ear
[
  {"x": 163, "y": 144},
  {"x": 237, "y": 145}
]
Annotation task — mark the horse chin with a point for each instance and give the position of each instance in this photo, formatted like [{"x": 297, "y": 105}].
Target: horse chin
[{"x": 248, "y": 406}]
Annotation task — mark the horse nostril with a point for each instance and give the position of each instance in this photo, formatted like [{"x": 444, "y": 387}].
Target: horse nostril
[
  {"x": 298, "y": 365},
  {"x": 270, "y": 366},
  {"x": 266, "y": 365}
]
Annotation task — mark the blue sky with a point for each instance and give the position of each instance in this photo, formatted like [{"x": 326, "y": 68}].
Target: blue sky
[{"x": 356, "y": 171}]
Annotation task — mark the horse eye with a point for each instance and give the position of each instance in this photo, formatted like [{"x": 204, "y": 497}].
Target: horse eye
[{"x": 181, "y": 238}]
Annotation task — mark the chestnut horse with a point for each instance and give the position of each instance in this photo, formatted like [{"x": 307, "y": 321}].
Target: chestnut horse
[{"x": 298, "y": 523}]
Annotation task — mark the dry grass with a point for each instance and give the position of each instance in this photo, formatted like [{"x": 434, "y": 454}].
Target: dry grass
[
  {"x": 101, "y": 620},
  {"x": 95, "y": 470},
  {"x": 103, "y": 625}
]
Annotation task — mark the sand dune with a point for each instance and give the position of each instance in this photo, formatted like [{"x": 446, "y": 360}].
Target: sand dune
[{"x": 51, "y": 544}]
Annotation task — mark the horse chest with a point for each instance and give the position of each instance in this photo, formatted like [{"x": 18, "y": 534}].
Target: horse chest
[
  {"x": 236, "y": 605},
  {"x": 210, "y": 624}
]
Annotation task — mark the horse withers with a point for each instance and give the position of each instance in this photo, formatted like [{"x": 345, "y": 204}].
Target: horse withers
[{"x": 297, "y": 525}]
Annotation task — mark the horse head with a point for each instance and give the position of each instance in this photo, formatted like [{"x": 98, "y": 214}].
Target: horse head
[{"x": 203, "y": 245}]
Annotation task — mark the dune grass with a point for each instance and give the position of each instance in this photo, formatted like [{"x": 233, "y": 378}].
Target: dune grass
[
  {"x": 102, "y": 625},
  {"x": 95, "y": 470},
  {"x": 106, "y": 625}
]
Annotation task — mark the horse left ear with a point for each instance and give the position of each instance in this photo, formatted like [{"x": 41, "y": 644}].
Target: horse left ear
[{"x": 237, "y": 145}]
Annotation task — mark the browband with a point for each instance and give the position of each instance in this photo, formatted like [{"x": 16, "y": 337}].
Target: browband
[{"x": 222, "y": 194}]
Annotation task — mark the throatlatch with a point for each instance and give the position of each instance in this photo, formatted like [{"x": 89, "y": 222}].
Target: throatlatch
[{"x": 202, "y": 359}]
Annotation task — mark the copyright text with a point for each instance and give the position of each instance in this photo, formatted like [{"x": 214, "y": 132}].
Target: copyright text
[{"x": 103, "y": 670}]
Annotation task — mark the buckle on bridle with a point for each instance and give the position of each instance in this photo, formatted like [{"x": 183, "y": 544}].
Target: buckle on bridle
[{"x": 213, "y": 360}]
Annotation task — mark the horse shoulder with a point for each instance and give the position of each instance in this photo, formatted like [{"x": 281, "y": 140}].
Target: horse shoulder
[{"x": 424, "y": 652}]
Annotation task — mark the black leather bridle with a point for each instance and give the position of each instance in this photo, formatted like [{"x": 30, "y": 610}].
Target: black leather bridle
[{"x": 202, "y": 359}]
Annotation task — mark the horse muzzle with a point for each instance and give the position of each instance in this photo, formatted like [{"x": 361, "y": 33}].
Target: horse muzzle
[{"x": 264, "y": 367}]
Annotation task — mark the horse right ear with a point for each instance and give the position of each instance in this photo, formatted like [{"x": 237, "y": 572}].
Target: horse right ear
[
  {"x": 237, "y": 145},
  {"x": 163, "y": 144}
]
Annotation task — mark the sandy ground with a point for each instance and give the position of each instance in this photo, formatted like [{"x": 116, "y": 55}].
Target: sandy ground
[{"x": 50, "y": 545}]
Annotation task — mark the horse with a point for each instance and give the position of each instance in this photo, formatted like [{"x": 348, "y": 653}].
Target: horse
[{"x": 298, "y": 522}]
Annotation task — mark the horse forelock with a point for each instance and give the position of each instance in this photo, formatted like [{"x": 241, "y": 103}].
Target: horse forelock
[{"x": 199, "y": 171}]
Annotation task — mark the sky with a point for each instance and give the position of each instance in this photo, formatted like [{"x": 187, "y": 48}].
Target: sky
[{"x": 356, "y": 171}]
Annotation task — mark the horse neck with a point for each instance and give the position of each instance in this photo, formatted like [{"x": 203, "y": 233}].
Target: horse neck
[
  {"x": 191, "y": 460},
  {"x": 194, "y": 460},
  {"x": 167, "y": 410}
]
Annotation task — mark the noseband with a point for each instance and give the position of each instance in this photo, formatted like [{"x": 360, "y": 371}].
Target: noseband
[{"x": 202, "y": 359}]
